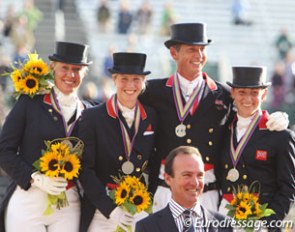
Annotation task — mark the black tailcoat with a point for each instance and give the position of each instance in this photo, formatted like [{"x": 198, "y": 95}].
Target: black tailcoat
[
  {"x": 30, "y": 122},
  {"x": 204, "y": 127},
  {"x": 104, "y": 155},
  {"x": 269, "y": 157}
]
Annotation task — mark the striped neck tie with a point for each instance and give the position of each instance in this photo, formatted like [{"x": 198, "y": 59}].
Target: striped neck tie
[{"x": 188, "y": 221}]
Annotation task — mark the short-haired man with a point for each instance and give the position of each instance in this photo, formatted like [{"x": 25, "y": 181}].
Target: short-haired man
[{"x": 184, "y": 174}]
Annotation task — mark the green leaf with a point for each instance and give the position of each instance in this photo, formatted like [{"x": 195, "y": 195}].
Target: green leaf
[
  {"x": 268, "y": 212},
  {"x": 36, "y": 165},
  {"x": 48, "y": 210},
  {"x": 230, "y": 207},
  {"x": 231, "y": 213},
  {"x": 149, "y": 210},
  {"x": 131, "y": 208},
  {"x": 112, "y": 194}
]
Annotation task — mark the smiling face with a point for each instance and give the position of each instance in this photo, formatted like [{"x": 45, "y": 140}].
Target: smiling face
[
  {"x": 248, "y": 100},
  {"x": 128, "y": 87},
  {"x": 187, "y": 181},
  {"x": 68, "y": 77},
  {"x": 190, "y": 59}
]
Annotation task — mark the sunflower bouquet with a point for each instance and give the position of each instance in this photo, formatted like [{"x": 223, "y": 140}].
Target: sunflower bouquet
[
  {"x": 60, "y": 159},
  {"x": 132, "y": 195},
  {"x": 245, "y": 208},
  {"x": 31, "y": 77}
]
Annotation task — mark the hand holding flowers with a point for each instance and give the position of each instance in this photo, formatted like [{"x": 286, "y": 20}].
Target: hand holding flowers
[
  {"x": 58, "y": 164},
  {"x": 131, "y": 196},
  {"x": 245, "y": 207}
]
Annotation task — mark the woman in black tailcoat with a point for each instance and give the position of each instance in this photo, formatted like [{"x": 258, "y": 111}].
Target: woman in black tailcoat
[
  {"x": 32, "y": 121},
  {"x": 119, "y": 139}
]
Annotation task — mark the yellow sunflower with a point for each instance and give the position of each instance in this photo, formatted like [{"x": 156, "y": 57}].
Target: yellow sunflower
[
  {"x": 49, "y": 164},
  {"x": 122, "y": 193},
  {"x": 247, "y": 196},
  {"x": 36, "y": 67},
  {"x": 70, "y": 166},
  {"x": 233, "y": 201},
  {"x": 257, "y": 209},
  {"x": 132, "y": 181},
  {"x": 243, "y": 210},
  {"x": 30, "y": 85},
  {"x": 16, "y": 77},
  {"x": 141, "y": 199},
  {"x": 60, "y": 149}
]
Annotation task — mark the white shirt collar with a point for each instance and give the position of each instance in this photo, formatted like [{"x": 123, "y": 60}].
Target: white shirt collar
[
  {"x": 187, "y": 86},
  {"x": 64, "y": 100}
]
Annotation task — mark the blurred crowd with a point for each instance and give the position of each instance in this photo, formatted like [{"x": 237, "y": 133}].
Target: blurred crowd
[{"x": 17, "y": 26}]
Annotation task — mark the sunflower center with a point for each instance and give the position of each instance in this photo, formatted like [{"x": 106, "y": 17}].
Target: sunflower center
[
  {"x": 31, "y": 83},
  {"x": 68, "y": 166},
  {"x": 53, "y": 165},
  {"x": 38, "y": 69},
  {"x": 138, "y": 200},
  {"x": 123, "y": 193},
  {"x": 242, "y": 209}
]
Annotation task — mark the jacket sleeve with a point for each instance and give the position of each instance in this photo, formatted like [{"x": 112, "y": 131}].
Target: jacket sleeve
[{"x": 11, "y": 161}]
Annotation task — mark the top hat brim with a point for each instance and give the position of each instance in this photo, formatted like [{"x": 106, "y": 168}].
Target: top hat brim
[
  {"x": 59, "y": 59},
  {"x": 265, "y": 85},
  {"x": 172, "y": 42},
  {"x": 113, "y": 71}
]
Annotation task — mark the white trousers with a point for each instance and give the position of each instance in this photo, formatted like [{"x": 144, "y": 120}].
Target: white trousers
[
  {"x": 25, "y": 212},
  {"x": 100, "y": 223},
  {"x": 162, "y": 197}
]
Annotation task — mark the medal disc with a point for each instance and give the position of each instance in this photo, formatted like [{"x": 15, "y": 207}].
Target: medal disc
[
  {"x": 233, "y": 175},
  {"x": 180, "y": 130},
  {"x": 127, "y": 167}
]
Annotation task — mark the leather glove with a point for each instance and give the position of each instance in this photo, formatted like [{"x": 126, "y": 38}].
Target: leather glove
[
  {"x": 278, "y": 121},
  {"x": 51, "y": 185},
  {"x": 122, "y": 218}
]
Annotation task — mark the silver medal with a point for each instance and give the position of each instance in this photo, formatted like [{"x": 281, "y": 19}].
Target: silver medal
[
  {"x": 127, "y": 167},
  {"x": 180, "y": 130},
  {"x": 233, "y": 175}
]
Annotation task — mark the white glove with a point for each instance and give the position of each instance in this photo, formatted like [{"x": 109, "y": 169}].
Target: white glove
[
  {"x": 122, "y": 218},
  {"x": 53, "y": 186},
  {"x": 278, "y": 121}
]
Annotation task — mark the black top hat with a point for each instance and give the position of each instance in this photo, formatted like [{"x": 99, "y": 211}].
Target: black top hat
[
  {"x": 71, "y": 53},
  {"x": 188, "y": 33},
  {"x": 249, "y": 77},
  {"x": 129, "y": 63}
]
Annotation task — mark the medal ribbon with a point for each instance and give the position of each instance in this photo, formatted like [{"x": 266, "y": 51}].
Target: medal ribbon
[
  {"x": 68, "y": 128},
  {"x": 183, "y": 110},
  {"x": 128, "y": 143},
  {"x": 235, "y": 154}
]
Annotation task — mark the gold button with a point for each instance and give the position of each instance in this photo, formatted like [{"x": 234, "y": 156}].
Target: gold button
[
  {"x": 226, "y": 166},
  {"x": 139, "y": 157},
  {"x": 243, "y": 165},
  {"x": 188, "y": 141},
  {"x": 188, "y": 126},
  {"x": 55, "y": 118},
  {"x": 207, "y": 158},
  {"x": 211, "y": 130},
  {"x": 228, "y": 189},
  {"x": 137, "y": 169},
  {"x": 245, "y": 177},
  {"x": 210, "y": 143},
  {"x": 120, "y": 157},
  {"x": 50, "y": 110}
]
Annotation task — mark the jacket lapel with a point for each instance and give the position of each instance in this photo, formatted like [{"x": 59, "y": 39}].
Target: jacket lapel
[
  {"x": 166, "y": 221},
  {"x": 54, "y": 115}
]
